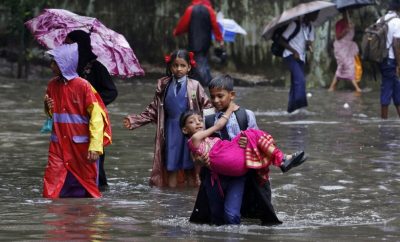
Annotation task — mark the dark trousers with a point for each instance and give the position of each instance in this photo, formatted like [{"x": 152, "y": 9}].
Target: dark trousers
[
  {"x": 202, "y": 71},
  {"x": 257, "y": 201},
  {"x": 390, "y": 85},
  {"x": 102, "y": 173},
  {"x": 224, "y": 208},
  {"x": 297, "y": 93}
]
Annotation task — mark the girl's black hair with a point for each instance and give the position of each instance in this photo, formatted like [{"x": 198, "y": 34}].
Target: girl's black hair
[
  {"x": 185, "y": 115},
  {"x": 84, "y": 48},
  {"x": 181, "y": 53}
]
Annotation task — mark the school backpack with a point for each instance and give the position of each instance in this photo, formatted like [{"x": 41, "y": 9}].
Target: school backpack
[
  {"x": 276, "y": 48},
  {"x": 373, "y": 44},
  {"x": 241, "y": 117}
]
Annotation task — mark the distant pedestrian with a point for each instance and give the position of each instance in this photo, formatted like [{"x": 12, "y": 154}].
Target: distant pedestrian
[
  {"x": 346, "y": 51},
  {"x": 81, "y": 128},
  {"x": 97, "y": 74},
  {"x": 175, "y": 93},
  {"x": 390, "y": 67},
  {"x": 295, "y": 58},
  {"x": 199, "y": 21}
]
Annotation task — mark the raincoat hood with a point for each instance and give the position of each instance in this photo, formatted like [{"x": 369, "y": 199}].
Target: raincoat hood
[
  {"x": 204, "y": 2},
  {"x": 66, "y": 57}
]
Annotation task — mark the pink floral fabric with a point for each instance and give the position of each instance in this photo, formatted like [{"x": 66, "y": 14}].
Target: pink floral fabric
[
  {"x": 52, "y": 26},
  {"x": 345, "y": 51},
  {"x": 229, "y": 159}
]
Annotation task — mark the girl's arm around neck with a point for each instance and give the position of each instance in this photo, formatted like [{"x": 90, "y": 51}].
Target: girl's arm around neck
[{"x": 200, "y": 135}]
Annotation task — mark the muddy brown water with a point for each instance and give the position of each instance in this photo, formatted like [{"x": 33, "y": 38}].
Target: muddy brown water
[{"x": 348, "y": 189}]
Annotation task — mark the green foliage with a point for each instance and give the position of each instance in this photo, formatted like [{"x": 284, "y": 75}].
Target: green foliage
[
  {"x": 16, "y": 37},
  {"x": 20, "y": 11}
]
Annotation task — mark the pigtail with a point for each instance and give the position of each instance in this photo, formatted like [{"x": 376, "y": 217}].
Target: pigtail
[
  {"x": 192, "y": 61},
  {"x": 167, "y": 59}
]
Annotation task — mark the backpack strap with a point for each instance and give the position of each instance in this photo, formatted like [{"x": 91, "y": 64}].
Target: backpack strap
[
  {"x": 209, "y": 120},
  {"x": 295, "y": 32},
  {"x": 241, "y": 117},
  {"x": 382, "y": 19}
]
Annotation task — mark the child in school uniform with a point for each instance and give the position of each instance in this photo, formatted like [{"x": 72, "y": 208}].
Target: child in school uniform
[
  {"x": 175, "y": 93},
  {"x": 226, "y": 157},
  {"x": 233, "y": 197}
]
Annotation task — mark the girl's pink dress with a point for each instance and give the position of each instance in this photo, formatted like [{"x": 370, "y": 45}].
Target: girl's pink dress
[{"x": 229, "y": 159}]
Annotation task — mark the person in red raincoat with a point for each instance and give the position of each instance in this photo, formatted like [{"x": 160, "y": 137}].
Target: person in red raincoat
[
  {"x": 199, "y": 21},
  {"x": 81, "y": 127}
]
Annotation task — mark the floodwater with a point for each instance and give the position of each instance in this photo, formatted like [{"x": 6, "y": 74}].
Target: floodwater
[{"x": 348, "y": 190}]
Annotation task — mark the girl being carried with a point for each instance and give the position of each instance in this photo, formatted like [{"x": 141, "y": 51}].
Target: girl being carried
[{"x": 227, "y": 157}]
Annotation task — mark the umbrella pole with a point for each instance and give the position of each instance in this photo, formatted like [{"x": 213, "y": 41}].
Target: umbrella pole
[
  {"x": 348, "y": 16},
  {"x": 329, "y": 36}
]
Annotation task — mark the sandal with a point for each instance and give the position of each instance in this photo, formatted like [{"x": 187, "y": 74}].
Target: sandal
[{"x": 296, "y": 160}]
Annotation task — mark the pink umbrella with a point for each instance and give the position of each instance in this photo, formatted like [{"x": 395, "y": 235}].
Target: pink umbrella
[{"x": 52, "y": 26}]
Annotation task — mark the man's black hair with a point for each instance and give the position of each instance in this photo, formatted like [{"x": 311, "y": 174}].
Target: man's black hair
[{"x": 224, "y": 81}]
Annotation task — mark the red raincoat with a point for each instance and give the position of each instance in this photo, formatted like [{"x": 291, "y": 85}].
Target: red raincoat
[
  {"x": 184, "y": 22},
  {"x": 71, "y": 136}
]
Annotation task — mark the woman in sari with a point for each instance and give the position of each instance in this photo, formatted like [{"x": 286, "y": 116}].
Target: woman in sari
[{"x": 345, "y": 50}]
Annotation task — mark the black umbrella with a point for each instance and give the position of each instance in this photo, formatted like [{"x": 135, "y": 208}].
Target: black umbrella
[{"x": 352, "y": 3}]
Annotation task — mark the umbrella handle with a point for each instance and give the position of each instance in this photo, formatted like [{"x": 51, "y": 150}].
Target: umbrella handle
[{"x": 348, "y": 16}]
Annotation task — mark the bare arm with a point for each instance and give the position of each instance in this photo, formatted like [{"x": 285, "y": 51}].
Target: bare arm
[
  {"x": 309, "y": 46},
  {"x": 396, "y": 50},
  {"x": 48, "y": 105},
  {"x": 285, "y": 44},
  {"x": 200, "y": 135}
]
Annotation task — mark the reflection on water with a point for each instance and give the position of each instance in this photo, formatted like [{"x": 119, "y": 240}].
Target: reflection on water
[
  {"x": 72, "y": 219},
  {"x": 347, "y": 190}
]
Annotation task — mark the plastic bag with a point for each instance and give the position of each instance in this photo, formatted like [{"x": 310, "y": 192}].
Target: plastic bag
[
  {"x": 357, "y": 68},
  {"x": 47, "y": 126}
]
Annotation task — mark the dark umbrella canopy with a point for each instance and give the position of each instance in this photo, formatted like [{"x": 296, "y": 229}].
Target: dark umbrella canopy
[
  {"x": 352, "y": 3},
  {"x": 326, "y": 11}
]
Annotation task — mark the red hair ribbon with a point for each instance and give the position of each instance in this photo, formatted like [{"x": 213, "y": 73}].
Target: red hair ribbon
[
  {"x": 167, "y": 58},
  {"x": 191, "y": 59}
]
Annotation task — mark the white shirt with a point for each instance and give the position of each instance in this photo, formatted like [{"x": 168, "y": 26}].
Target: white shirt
[
  {"x": 393, "y": 31},
  {"x": 306, "y": 33},
  {"x": 181, "y": 80}
]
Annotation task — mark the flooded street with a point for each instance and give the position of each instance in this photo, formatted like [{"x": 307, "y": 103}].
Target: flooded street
[{"x": 348, "y": 190}]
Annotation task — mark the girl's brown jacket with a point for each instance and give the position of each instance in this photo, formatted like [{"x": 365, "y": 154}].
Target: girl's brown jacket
[{"x": 154, "y": 113}]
